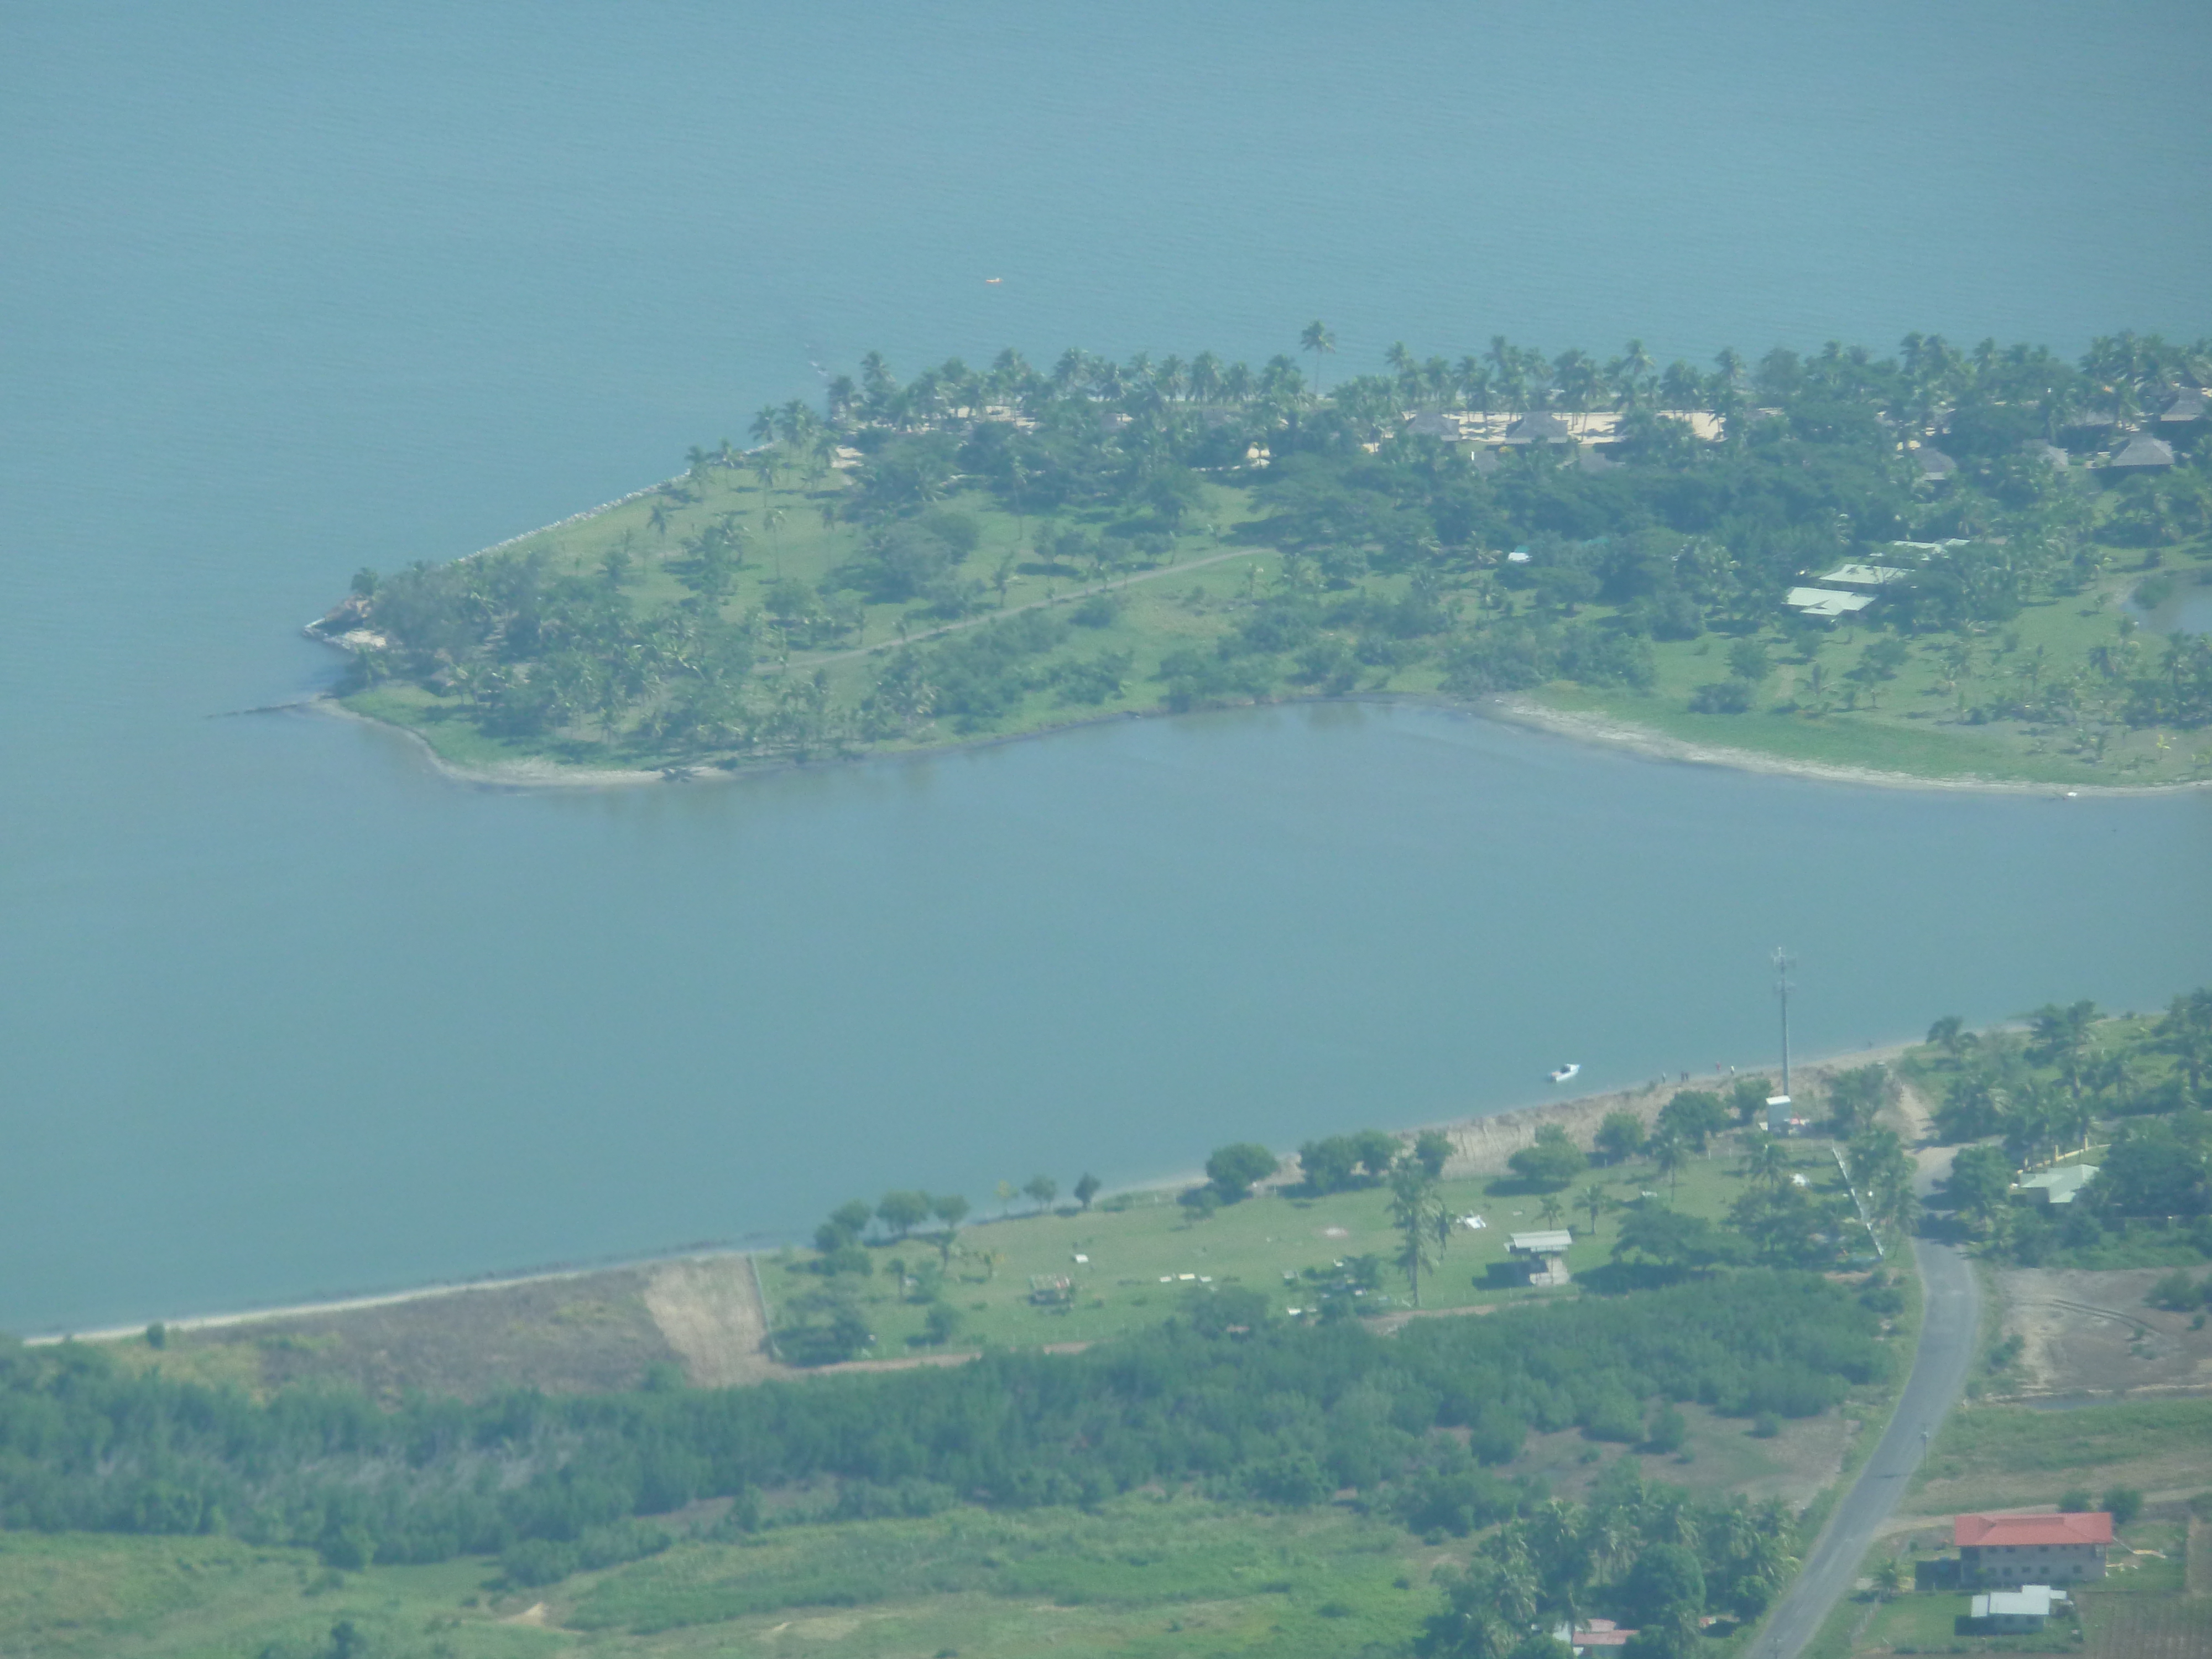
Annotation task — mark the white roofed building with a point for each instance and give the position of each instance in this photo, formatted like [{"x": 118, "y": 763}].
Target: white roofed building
[
  {"x": 1827, "y": 603},
  {"x": 1545, "y": 1254}
]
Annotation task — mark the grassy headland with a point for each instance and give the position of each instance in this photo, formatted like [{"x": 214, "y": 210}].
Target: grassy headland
[{"x": 989, "y": 553}]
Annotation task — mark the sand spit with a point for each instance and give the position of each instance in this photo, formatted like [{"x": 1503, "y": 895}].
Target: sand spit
[{"x": 1586, "y": 727}]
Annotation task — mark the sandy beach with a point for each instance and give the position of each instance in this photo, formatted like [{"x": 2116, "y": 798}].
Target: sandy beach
[
  {"x": 1584, "y": 727},
  {"x": 1515, "y": 710}
]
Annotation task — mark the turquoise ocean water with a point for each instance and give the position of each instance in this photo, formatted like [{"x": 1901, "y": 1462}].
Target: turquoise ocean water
[{"x": 285, "y": 293}]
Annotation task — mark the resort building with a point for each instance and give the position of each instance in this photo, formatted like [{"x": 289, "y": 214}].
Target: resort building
[
  {"x": 1873, "y": 578},
  {"x": 1826, "y": 604},
  {"x": 2188, "y": 405},
  {"x": 2005, "y": 1552},
  {"x": 1539, "y": 427},
  {"x": 2143, "y": 453}
]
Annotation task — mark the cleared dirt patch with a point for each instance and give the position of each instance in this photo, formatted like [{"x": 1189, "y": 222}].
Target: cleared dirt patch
[
  {"x": 2088, "y": 1335},
  {"x": 709, "y": 1312}
]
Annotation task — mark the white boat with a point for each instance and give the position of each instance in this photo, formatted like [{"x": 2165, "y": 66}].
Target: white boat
[{"x": 1566, "y": 1072}]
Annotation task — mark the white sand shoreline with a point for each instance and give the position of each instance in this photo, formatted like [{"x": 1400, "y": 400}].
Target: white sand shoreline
[{"x": 1483, "y": 1142}]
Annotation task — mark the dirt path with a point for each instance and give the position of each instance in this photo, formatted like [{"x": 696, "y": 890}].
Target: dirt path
[{"x": 826, "y": 658}]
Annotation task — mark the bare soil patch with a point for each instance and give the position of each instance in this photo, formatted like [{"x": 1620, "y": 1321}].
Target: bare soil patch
[
  {"x": 708, "y": 1310},
  {"x": 2089, "y": 1335}
]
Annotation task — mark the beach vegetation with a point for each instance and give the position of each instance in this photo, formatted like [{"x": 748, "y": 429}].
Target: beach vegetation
[{"x": 1234, "y": 1169}]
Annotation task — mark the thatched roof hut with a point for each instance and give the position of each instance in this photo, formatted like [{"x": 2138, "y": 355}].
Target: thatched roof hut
[
  {"x": 1539, "y": 427},
  {"x": 2143, "y": 453}
]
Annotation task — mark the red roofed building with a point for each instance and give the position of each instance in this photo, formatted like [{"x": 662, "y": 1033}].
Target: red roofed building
[{"x": 2008, "y": 1551}]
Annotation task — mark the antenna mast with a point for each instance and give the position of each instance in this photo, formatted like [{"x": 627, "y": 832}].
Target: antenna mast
[{"x": 1782, "y": 964}]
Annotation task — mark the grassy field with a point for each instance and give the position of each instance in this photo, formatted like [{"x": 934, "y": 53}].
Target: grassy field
[
  {"x": 1145, "y": 1575},
  {"x": 1997, "y": 1456},
  {"x": 1143, "y": 1260},
  {"x": 1809, "y": 710}
]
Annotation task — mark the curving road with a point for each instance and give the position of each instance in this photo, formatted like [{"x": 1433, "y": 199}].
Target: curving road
[{"x": 1948, "y": 1326}]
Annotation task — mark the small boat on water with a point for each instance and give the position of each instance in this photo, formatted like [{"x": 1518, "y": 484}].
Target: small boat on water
[{"x": 1566, "y": 1073}]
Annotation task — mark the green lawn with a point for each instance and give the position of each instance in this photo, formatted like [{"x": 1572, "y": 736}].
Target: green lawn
[
  {"x": 1912, "y": 725},
  {"x": 1908, "y": 724}
]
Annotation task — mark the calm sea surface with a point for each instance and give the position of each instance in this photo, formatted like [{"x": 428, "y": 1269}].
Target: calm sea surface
[{"x": 290, "y": 290}]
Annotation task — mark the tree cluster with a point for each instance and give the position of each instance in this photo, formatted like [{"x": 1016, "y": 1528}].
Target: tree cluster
[
  {"x": 2027, "y": 1098},
  {"x": 1224, "y": 1398}
]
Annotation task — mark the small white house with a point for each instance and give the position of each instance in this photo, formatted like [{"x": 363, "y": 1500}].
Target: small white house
[
  {"x": 2015, "y": 1613},
  {"x": 2050, "y": 1187}
]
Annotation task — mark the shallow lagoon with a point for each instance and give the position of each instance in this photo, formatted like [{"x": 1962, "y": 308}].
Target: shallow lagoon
[{"x": 462, "y": 1029}]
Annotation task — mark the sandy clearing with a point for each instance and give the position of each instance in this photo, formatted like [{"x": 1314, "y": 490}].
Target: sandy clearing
[
  {"x": 2090, "y": 1335},
  {"x": 709, "y": 1310}
]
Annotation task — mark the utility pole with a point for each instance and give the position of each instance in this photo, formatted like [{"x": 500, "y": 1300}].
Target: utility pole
[{"x": 1782, "y": 963}]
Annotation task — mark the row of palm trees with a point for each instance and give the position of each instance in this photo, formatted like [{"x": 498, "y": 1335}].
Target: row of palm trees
[{"x": 2121, "y": 376}]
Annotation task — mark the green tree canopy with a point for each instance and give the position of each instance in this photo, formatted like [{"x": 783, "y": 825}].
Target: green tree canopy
[
  {"x": 1234, "y": 1169},
  {"x": 1551, "y": 1162}
]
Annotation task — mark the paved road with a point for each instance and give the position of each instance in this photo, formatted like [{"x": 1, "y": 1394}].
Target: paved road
[{"x": 1948, "y": 1331}]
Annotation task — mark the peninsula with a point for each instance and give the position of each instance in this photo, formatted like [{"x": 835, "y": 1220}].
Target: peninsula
[{"x": 1937, "y": 566}]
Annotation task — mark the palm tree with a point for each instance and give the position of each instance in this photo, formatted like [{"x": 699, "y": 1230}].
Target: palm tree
[
  {"x": 1552, "y": 1210},
  {"x": 1636, "y": 368},
  {"x": 1681, "y": 387},
  {"x": 772, "y": 522},
  {"x": 1668, "y": 1153},
  {"x": 1318, "y": 340},
  {"x": 1768, "y": 1164},
  {"x": 1205, "y": 377},
  {"x": 1592, "y": 1198},
  {"x": 1413, "y": 1204}
]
